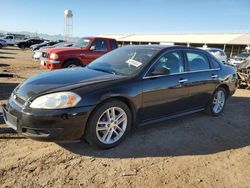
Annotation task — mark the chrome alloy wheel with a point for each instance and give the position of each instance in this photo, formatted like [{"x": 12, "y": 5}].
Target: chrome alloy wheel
[
  {"x": 218, "y": 101},
  {"x": 111, "y": 125}
]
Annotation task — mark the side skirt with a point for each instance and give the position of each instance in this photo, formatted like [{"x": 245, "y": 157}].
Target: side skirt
[{"x": 170, "y": 117}]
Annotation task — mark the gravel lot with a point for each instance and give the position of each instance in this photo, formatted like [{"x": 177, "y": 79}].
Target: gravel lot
[{"x": 192, "y": 151}]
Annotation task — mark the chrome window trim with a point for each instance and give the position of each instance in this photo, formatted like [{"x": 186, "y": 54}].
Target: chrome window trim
[{"x": 186, "y": 72}]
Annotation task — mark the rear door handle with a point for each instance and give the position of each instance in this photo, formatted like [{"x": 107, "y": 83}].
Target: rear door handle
[
  {"x": 181, "y": 81},
  {"x": 214, "y": 76}
]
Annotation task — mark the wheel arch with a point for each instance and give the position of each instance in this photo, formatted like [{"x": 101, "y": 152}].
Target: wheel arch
[
  {"x": 123, "y": 99},
  {"x": 226, "y": 87},
  {"x": 72, "y": 59}
]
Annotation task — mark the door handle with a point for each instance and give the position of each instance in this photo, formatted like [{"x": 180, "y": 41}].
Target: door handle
[
  {"x": 181, "y": 81},
  {"x": 214, "y": 76},
  {"x": 82, "y": 55}
]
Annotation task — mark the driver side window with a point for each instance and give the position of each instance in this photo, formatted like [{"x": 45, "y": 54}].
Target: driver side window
[
  {"x": 170, "y": 63},
  {"x": 100, "y": 45}
]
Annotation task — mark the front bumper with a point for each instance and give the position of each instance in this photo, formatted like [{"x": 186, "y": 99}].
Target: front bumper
[
  {"x": 47, "y": 125},
  {"x": 51, "y": 64}
]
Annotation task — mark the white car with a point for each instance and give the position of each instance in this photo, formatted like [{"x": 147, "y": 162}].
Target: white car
[
  {"x": 218, "y": 53},
  {"x": 239, "y": 59},
  {"x": 13, "y": 39}
]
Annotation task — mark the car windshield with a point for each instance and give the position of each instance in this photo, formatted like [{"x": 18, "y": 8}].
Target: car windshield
[
  {"x": 126, "y": 61},
  {"x": 82, "y": 43}
]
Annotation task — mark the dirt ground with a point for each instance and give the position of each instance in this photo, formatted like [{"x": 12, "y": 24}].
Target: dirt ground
[{"x": 192, "y": 151}]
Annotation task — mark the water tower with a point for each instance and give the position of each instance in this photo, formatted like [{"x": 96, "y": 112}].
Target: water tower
[{"x": 68, "y": 24}]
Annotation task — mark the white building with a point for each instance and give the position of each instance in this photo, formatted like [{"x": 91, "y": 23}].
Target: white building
[{"x": 232, "y": 43}]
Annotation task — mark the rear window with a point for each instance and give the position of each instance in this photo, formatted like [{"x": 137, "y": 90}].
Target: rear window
[
  {"x": 215, "y": 63},
  {"x": 197, "y": 61}
]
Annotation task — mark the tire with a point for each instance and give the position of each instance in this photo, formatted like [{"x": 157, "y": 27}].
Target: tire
[
  {"x": 108, "y": 135},
  {"x": 22, "y": 47},
  {"x": 216, "y": 106},
  {"x": 72, "y": 63}
]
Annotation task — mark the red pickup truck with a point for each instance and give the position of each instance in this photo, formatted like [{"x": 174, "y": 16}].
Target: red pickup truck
[{"x": 84, "y": 51}]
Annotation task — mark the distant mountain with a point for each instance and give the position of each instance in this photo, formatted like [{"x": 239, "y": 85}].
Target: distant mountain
[{"x": 40, "y": 35}]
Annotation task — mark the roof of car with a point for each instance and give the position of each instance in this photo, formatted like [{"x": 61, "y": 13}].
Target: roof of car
[
  {"x": 93, "y": 37},
  {"x": 162, "y": 47},
  {"x": 203, "y": 48}
]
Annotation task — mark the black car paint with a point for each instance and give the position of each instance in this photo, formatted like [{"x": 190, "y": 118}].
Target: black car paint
[
  {"x": 150, "y": 99},
  {"x": 28, "y": 43}
]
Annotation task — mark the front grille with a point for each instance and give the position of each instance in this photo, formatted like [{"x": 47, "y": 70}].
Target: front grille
[{"x": 45, "y": 54}]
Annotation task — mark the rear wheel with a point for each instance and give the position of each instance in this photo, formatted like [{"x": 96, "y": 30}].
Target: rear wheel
[
  {"x": 71, "y": 64},
  {"x": 217, "y": 103},
  {"x": 22, "y": 47},
  {"x": 108, "y": 125}
]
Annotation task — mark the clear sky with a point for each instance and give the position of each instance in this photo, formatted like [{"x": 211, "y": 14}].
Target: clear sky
[{"x": 92, "y": 17}]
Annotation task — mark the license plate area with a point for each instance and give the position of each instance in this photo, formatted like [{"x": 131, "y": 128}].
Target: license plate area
[
  {"x": 42, "y": 62},
  {"x": 9, "y": 119}
]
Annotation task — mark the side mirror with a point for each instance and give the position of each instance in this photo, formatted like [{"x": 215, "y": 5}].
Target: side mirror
[
  {"x": 160, "y": 71},
  {"x": 92, "y": 48}
]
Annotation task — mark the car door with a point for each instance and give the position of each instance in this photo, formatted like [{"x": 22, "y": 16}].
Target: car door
[
  {"x": 167, "y": 94},
  {"x": 203, "y": 77},
  {"x": 29, "y": 43},
  {"x": 11, "y": 39},
  {"x": 98, "y": 48}
]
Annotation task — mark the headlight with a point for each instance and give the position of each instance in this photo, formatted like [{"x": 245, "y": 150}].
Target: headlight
[
  {"x": 54, "y": 56},
  {"x": 56, "y": 100}
]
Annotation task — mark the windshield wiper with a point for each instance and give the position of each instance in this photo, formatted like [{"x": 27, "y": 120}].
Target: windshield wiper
[{"x": 103, "y": 70}]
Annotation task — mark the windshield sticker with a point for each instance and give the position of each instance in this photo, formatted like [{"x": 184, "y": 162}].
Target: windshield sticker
[{"x": 134, "y": 62}]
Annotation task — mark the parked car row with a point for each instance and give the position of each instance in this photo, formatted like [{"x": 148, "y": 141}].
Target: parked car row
[
  {"x": 44, "y": 44},
  {"x": 37, "y": 54},
  {"x": 88, "y": 49},
  {"x": 28, "y": 43}
]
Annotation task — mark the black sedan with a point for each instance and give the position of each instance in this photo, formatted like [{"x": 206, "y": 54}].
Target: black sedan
[
  {"x": 29, "y": 42},
  {"x": 44, "y": 44},
  {"x": 130, "y": 86}
]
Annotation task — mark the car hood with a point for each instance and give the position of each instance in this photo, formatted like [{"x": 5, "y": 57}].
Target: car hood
[
  {"x": 61, "y": 80},
  {"x": 62, "y": 49}
]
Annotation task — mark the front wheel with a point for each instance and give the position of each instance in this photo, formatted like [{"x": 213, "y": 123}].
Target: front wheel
[
  {"x": 217, "y": 103},
  {"x": 108, "y": 125},
  {"x": 72, "y": 64},
  {"x": 22, "y": 47}
]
